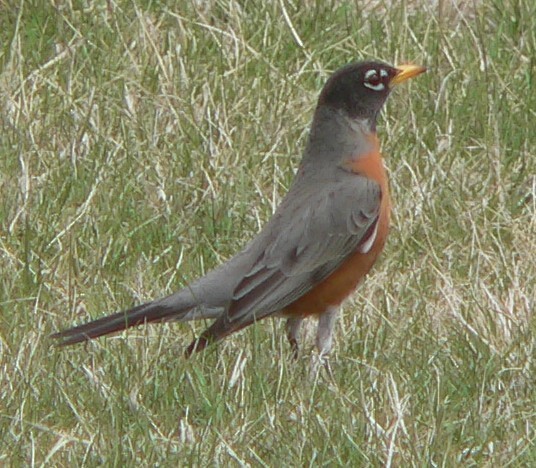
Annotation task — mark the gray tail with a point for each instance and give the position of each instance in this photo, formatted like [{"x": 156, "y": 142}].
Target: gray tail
[{"x": 145, "y": 313}]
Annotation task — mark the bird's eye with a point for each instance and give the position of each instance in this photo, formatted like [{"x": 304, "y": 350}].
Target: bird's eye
[{"x": 374, "y": 80}]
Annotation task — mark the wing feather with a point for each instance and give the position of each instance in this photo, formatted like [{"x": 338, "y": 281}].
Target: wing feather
[
  {"x": 299, "y": 251},
  {"x": 308, "y": 238}
]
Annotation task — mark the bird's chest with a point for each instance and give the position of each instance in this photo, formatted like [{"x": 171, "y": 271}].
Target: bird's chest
[
  {"x": 370, "y": 165},
  {"x": 343, "y": 281}
]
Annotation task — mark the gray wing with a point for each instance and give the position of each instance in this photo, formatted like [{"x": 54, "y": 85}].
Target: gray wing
[{"x": 309, "y": 236}]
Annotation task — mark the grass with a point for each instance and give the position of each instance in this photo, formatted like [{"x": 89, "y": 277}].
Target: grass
[{"x": 144, "y": 143}]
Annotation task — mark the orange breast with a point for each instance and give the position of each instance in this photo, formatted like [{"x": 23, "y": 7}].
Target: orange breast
[{"x": 342, "y": 282}]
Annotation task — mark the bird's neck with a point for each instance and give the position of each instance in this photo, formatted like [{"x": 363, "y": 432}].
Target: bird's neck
[{"x": 336, "y": 139}]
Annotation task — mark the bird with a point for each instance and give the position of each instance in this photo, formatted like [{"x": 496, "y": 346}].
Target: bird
[{"x": 321, "y": 241}]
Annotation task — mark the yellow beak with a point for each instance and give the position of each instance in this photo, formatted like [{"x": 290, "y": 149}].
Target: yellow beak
[{"x": 405, "y": 72}]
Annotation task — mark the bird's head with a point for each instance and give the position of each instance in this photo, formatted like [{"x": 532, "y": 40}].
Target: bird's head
[{"x": 360, "y": 89}]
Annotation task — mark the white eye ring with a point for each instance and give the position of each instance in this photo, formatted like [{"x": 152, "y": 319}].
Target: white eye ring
[
  {"x": 373, "y": 73},
  {"x": 378, "y": 87}
]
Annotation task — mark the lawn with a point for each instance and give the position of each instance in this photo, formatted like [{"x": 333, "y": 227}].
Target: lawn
[{"x": 144, "y": 142}]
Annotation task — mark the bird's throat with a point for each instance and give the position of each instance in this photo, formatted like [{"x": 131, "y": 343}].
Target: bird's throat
[{"x": 369, "y": 163}]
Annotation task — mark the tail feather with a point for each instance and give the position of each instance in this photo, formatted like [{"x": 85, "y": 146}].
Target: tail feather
[{"x": 145, "y": 313}]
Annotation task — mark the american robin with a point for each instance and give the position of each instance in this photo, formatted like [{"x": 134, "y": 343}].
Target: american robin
[{"x": 322, "y": 240}]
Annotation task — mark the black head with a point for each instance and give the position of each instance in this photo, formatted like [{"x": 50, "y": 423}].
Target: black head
[{"x": 360, "y": 89}]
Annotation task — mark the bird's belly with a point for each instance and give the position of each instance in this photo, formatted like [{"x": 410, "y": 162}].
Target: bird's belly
[
  {"x": 333, "y": 290},
  {"x": 342, "y": 282}
]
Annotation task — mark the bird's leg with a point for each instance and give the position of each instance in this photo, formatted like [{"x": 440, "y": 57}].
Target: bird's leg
[
  {"x": 324, "y": 333},
  {"x": 324, "y": 338},
  {"x": 292, "y": 328}
]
